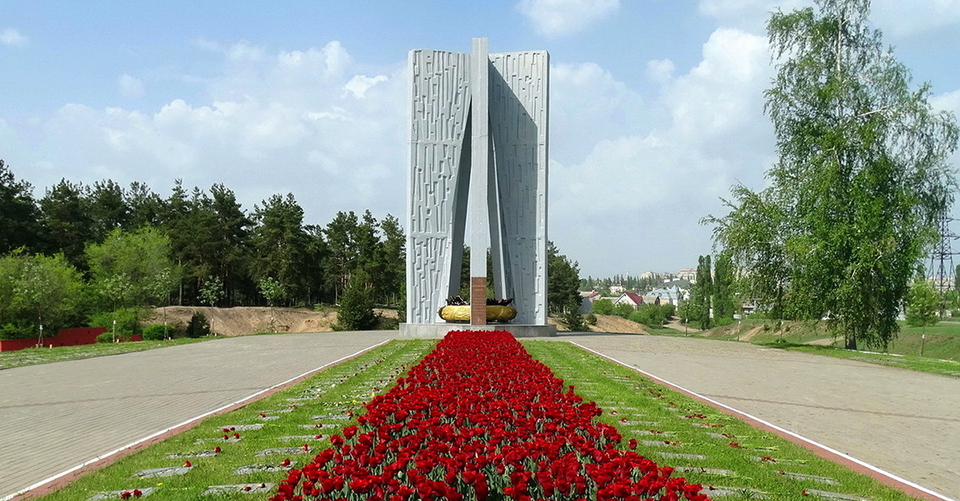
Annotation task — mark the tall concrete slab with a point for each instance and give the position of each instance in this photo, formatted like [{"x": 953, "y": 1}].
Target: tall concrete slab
[{"x": 478, "y": 143}]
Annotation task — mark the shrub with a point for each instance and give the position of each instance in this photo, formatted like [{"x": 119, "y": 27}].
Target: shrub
[
  {"x": 356, "y": 306},
  {"x": 603, "y": 307},
  {"x": 11, "y": 331},
  {"x": 126, "y": 318},
  {"x": 108, "y": 337},
  {"x": 157, "y": 332},
  {"x": 591, "y": 319},
  {"x": 623, "y": 310},
  {"x": 198, "y": 326}
]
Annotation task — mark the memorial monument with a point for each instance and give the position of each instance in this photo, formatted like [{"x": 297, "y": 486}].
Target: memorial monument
[{"x": 478, "y": 162}]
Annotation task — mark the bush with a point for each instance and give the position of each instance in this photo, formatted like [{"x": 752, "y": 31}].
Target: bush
[
  {"x": 107, "y": 337},
  {"x": 603, "y": 307},
  {"x": 591, "y": 319},
  {"x": 198, "y": 326},
  {"x": 126, "y": 318},
  {"x": 157, "y": 332},
  {"x": 11, "y": 331},
  {"x": 623, "y": 310},
  {"x": 356, "y": 306}
]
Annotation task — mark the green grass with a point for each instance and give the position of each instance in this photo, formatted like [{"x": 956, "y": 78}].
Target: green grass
[
  {"x": 640, "y": 405},
  {"x": 646, "y": 406},
  {"x": 323, "y": 399},
  {"x": 941, "y": 343},
  {"x": 912, "y": 362},
  {"x": 33, "y": 356}
]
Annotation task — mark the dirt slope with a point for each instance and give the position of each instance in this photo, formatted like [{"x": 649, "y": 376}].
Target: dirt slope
[
  {"x": 251, "y": 319},
  {"x": 609, "y": 323}
]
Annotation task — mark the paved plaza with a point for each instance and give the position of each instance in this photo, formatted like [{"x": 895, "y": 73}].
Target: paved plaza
[{"x": 54, "y": 417}]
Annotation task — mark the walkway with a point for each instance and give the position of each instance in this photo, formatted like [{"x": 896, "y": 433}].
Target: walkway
[
  {"x": 904, "y": 422},
  {"x": 54, "y": 417}
]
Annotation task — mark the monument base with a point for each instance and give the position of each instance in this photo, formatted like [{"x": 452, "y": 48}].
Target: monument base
[{"x": 437, "y": 331}]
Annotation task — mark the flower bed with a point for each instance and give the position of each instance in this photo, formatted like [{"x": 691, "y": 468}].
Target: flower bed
[{"x": 479, "y": 419}]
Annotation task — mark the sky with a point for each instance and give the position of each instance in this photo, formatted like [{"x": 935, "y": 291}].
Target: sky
[{"x": 656, "y": 106}]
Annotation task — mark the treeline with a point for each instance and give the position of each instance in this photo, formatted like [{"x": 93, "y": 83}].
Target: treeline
[{"x": 80, "y": 250}]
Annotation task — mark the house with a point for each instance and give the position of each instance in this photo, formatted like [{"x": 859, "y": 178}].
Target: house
[
  {"x": 631, "y": 298},
  {"x": 688, "y": 274},
  {"x": 587, "y": 299},
  {"x": 665, "y": 295}
]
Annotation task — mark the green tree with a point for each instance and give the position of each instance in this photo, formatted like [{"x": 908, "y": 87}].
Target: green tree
[
  {"x": 702, "y": 292},
  {"x": 66, "y": 220},
  {"x": 19, "y": 214},
  {"x": 281, "y": 244},
  {"x": 212, "y": 291},
  {"x": 145, "y": 206},
  {"x": 342, "y": 251},
  {"x": 356, "y": 306},
  {"x": 922, "y": 304},
  {"x": 603, "y": 306},
  {"x": 132, "y": 268},
  {"x": 229, "y": 243},
  {"x": 272, "y": 290},
  {"x": 723, "y": 283},
  {"x": 860, "y": 182},
  {"x": 43, "y": 290},
  {"x": 563, "y": 282},
  {"x": 393, "y": 255},
  {"x": 108, "y": 210}
]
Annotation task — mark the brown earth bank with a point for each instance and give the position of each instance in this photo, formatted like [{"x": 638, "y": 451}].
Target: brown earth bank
[
  {"x": 254, "y": 319},
  {"x": 608, "y": 323},
  {"x": 243, "y": 320}
]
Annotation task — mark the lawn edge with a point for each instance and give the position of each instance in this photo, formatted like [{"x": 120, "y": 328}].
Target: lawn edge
[
  {"x": 67, "y": 477},
  {"x": 821, "y": 450}
]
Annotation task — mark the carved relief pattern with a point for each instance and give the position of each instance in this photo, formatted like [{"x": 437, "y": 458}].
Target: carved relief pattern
[
  {"x": 440, "y": 171},
  {"x": 440, "y": 103},
  {"x": 518, "y": 117}
]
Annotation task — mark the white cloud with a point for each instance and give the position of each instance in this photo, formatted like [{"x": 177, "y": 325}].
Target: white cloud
[
  {"x": 906, "y": 19},
  {"x": 360, "y": 84},
  {"x": 271, "y": 124},
  {"x": 655, "y": 185},
  {"x": 12, "y": 38},
  {"x": 586, "y": 104},
  {"x": 660, "y": 70},
  {"x": 130, "y": 87},
  {"x": 750, "y": 15},
  {"x": 897, "y": 18},
  {"x": 564, "y": 17}
]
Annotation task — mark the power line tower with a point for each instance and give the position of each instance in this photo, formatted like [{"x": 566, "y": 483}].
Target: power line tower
[{"x": 942, "y": 271}]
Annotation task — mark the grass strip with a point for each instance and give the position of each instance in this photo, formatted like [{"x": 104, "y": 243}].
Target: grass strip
[
  {"x": 706, "y": 445},
  {"x": 253, "y": 446},
  {"x": 941, "y": 367},
  {"x": 709, "y": 447},
  {"x": 34, "y": 356}
]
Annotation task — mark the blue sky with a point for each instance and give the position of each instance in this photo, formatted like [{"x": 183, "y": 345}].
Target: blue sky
[{"x": 656, "y": 105}]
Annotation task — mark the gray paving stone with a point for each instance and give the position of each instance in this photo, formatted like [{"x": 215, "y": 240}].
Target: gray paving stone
[
  {"x": 676, "y": 455},
  {"x": 282, "y": 451},
  {"x": 812, "y": 478},
  {"x": 163, "y": 472},
  {"x": 144, "y": 492},
  {"x": 709, "y": 471},
  {"x": 190, "y": 455},
  {"x": 264, "y": 468},
  {"x": 241, "y": 427},
  {"x": 835, "y": 495},
  {"x": 260, "y": 488},
  {"x": 742, "y": 492}
]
